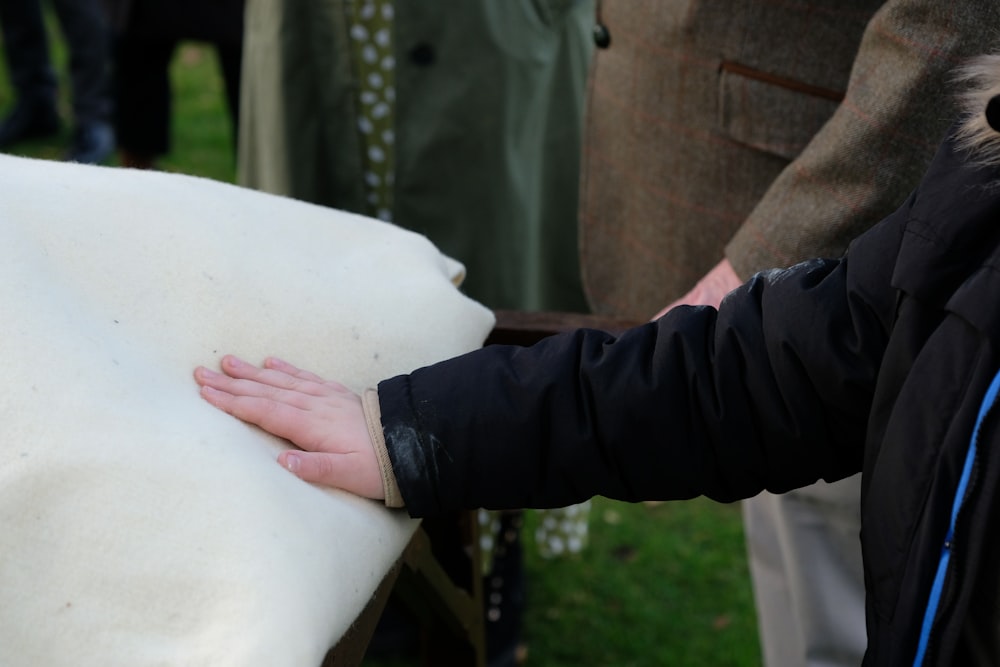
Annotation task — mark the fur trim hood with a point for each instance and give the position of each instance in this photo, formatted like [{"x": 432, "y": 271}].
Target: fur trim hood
[{"x": 979, "y": 127}]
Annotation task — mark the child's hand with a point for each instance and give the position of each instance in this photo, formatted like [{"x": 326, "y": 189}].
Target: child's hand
[{"x": 323, "y": 418}]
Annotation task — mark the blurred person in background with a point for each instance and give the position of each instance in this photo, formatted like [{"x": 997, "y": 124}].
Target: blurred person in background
[
  {"x": 35, "y": 114},
  {"x": 146, "y": 36},
  {"x": 460, "y": 121}
]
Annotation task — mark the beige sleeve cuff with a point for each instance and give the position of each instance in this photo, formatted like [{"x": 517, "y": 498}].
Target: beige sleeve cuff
[{"x": 373, "y": 417}]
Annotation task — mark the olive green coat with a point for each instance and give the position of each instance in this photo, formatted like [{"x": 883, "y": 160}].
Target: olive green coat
[{"x": 489, "y": 103}]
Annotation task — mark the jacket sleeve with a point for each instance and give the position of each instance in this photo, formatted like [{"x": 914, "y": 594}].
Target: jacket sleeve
[
  {"x": 770, "y": 392},
  {"x": 872, "y": 151}
]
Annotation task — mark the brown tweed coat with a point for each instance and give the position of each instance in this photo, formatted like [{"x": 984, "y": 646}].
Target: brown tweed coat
[{"x": 770, "y": 131}]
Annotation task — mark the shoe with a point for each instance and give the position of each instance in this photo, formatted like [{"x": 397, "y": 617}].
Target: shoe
[
  {"x": 130, "y": 160},
  {"x": 28, "y": 121},
  {"x": 93, "y": 143}
]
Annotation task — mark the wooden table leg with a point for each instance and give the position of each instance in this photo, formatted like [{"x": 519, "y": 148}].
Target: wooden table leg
[{"x": 438, "y": 578}]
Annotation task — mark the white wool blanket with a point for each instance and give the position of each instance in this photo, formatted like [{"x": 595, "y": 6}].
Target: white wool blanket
[{"x": 139, "y": 525}]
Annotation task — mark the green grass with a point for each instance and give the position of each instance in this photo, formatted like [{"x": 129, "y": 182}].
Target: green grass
[
  {"x": 201, "y": 137},
  {"x": 658, "y": 585}
]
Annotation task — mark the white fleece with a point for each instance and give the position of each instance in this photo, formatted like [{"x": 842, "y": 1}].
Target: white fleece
[{"x": 139, "y": 526}]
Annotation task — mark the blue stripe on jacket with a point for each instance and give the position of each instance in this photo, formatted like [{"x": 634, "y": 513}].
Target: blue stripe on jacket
[{"x": 935, "y": 597}]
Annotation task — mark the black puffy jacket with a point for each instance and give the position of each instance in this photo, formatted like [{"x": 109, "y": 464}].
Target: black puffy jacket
[{"x": 895, "y": 346}]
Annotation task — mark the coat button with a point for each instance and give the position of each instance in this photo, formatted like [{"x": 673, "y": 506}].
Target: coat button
[
  {"x": 602, "y": 38},
  {"x": 422, "y": 54}
]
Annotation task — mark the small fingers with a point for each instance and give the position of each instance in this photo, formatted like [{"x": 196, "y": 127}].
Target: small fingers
[
  {"x": 281, "y": 419},
  {"x": 276, "y": 374},
  {"x": 287, "y": 368},
  {"x": 238, "y": 387},
  {"x": 280, "y": 374},
  {"x": 343, "y": 471},
  {"x": 242, "y": 379}
]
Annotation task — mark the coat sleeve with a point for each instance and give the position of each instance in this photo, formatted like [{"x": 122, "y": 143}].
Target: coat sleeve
[
  {"x": 866, "y": 159},
  {"x": 770, "y": 392}
]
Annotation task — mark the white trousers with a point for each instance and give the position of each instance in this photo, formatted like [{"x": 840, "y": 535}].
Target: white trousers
[{"x": 805, "y": 562}]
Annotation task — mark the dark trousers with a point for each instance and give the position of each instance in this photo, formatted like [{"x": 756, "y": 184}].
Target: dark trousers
[
  {"x": 143, "y": 48},
  {"x": 143, "y": 90},
  {"x": 26, "y": 48}
]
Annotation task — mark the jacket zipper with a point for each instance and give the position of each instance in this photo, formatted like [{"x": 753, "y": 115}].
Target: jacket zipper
[{"x": 961, "y": 493}]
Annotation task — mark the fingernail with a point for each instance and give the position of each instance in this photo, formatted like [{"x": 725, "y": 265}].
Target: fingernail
[
  {"x": 206, "y": 373},
  {"x": 292, "y": 462},
  {"x": 209, "y": 394}
]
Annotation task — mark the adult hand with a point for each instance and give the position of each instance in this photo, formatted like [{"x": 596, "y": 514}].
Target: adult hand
[
  {"x": 324, "y": 419},
  {"x": 710, "y": 290}
]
